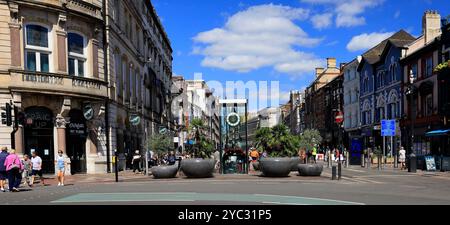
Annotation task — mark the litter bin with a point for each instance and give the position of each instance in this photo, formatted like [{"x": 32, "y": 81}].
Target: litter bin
[{"x": 412, "y": 163}]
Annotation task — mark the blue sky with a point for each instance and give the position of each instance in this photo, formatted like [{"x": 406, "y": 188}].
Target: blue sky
[{"x": 258, "y": 40}]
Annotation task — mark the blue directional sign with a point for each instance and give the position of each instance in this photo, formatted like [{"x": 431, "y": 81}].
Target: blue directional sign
[{"x": 388, "y": 128}]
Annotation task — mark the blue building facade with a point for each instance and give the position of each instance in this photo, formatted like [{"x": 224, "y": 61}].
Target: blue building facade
[{"x": 381, "y": 90}]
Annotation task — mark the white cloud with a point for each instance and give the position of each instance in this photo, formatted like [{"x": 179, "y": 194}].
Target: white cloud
[
  {"x": 366, "y": 41},
  {"x": 321, "y": 21},
  {"x": 348, "y": 12},
  {"x": 397, "y": 14},
  {"x": 260, "y": 36}
]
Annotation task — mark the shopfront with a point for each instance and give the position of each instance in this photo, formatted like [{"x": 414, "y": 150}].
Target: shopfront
[
  {"x": 76, "y": 133},
  {"x": 38, "y": 134}
]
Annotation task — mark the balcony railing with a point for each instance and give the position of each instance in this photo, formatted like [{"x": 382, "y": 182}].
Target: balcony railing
[{"x": 53, "y": 82}]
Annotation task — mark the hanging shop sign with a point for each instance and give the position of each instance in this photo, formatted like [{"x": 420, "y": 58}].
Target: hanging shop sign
[
  {"x": 135, "y": 120},
  {"x": 88, "y": 112},
  {"x": 233, "y": 119}
]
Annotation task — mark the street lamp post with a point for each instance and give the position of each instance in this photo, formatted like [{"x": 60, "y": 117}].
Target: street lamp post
[{"x": 412, "y": 156}]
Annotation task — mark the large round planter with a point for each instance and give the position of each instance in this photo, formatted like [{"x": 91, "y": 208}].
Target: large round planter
[
  {"x": 255, "y": 165},
  {"x": 164, "y": 172},
  {"x": 294, "y": 163},
  {"x": 198, "y": 168},
  {"x": 310, "y": 170},
  {"x": 275, "y": 167}
]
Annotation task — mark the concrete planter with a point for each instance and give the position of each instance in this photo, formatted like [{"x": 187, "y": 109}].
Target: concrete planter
[
  {"x": 256, "y": 166},
  {"x": 198, "y": 168},
  {"x": 310, "y": 170},
  {"x": 294, "y": 163},
  {"x": 164, "y": 172},
  {"x": 275, "y": 167}
]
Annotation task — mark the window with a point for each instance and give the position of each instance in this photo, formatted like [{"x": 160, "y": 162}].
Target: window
[
  {"x": 414, "y": 70},
  {"x": 131, "y": 84},
  {"x": 428, "y": 111},
  {"x": 77, "y": 59},
  {"x": 428, "y": 67},
  {"x": 119, "y": 86},
  {"x": 392, "y": 111},
  {"x": 137, "y": 87},
  {"x": 124, "y": 80},
  {"x": 37, "y": 51}
]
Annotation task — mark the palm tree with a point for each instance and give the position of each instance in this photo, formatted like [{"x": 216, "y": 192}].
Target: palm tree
[
  {"x": 277, "y": 141},
  {"x": 264, "y": 138},
  {"x": 203, "y": 147}
]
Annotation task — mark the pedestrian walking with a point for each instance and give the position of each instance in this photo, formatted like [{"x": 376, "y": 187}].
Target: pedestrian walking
[
  {"x": 60, "y": 164},
  {"x": 136, "y": 161},
  {"x": 337, "y": 155},
  {"x": 402, "y": 158},
  {"x": 13, "y": 169},
  {"x": 314, "y": 154},
  {"x": 27, "y": 167},
  {"x": 3, "y": 175},
  {"x": 36, "y": 169}
]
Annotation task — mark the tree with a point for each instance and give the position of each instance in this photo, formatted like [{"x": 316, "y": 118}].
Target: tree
[
  {"x": 309, "y": 138},
  {"x": 160, "y": 143},
  {"x": 277, "y": 141},
  {"x": 203, "y": 148}
]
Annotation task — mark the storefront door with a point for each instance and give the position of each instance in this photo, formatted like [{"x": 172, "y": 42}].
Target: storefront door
[
  {"x": 39, "y": 136},
  {"x": 76, "y": 134}
]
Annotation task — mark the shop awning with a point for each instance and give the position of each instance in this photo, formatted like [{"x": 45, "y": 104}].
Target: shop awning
[{"x": 437, "y": 133}]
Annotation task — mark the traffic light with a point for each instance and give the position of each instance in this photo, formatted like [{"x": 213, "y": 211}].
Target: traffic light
[{"x": 7, "y": 115}]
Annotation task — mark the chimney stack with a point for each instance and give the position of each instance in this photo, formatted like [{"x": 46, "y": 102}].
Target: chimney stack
[
  {"x": 319, "y": 71},
  {"x": 331, "y": 62},
  {"x": 431, "y": 25}
]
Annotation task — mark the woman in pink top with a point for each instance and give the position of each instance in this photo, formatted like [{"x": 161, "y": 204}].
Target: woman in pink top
[{"x": 13, "y": 168}]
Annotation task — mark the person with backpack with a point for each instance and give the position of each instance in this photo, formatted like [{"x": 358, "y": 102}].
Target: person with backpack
[
  {"x": 13, "y": 169},
  {"x": 3, "y": 175}
]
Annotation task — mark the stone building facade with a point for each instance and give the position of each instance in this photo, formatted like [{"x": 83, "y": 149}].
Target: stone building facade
[
  {"x": 86, "y": 77},
  {"x": 315, "y": 107}
]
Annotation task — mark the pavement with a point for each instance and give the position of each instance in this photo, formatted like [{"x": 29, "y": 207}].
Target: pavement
[{"x": 357, "y": 186}]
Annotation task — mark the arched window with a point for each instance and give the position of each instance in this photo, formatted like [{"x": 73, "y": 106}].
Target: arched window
[
  {"x": 37, "y": 48},
  {"x": 77, "y": 58}
]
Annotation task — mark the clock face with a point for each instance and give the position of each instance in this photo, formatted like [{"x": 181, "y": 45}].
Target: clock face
[{"x": 233, "y": 119}]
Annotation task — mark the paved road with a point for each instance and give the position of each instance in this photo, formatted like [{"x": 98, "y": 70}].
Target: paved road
[{"x": 358, "y": 186}]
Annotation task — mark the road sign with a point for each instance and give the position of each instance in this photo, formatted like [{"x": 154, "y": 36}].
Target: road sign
[
  {"x": 339, "y": 117},
  {"x": 388, "y": 128}
]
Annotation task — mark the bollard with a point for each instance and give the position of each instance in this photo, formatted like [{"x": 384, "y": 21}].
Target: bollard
[
  {"x": 363, "y": 160},
  {"x": 379, "y": 160},
  {"x": 347, "y": 161},
  {"x": 412, "y": 163},
  {"x": 339, "y": 170},
  {"x": 333, "y": 173},
  {"x": 330, "y": 162},
  {"x": 395, "y": 161}
]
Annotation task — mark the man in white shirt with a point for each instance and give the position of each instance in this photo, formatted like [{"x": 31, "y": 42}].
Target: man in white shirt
[{"x": 36, "y": 162}]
